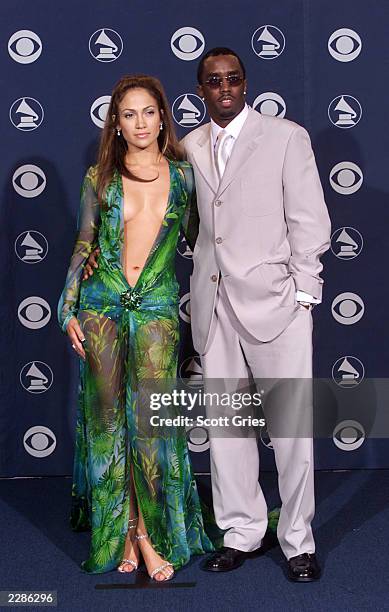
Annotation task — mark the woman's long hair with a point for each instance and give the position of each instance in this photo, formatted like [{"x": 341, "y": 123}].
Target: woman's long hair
[{"x": 113, "y": 148}]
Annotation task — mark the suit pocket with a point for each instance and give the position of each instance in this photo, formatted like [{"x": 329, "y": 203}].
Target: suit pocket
[
  {"x": 260, "y": 198},
  {"x": 279, "y": 283}
]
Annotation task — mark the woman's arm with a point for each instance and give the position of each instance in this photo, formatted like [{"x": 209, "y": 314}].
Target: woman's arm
[
  {"x": 86, "y": 240},
  {"x": 190, "y": 220}
]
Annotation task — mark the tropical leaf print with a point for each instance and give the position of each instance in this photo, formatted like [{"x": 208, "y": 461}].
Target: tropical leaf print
[{"x": 120, "y": 464}]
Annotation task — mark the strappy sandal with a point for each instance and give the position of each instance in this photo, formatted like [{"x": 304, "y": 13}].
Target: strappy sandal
[
  {"x": 132, "y": 523},
  {"x": 162, "y": 568}
]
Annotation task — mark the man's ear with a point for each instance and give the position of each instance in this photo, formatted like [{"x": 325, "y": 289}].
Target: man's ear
[{"x": 200, "y": 91}]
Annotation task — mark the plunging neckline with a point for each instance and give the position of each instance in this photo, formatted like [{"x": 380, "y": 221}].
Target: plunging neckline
[{"x": 156, "y": 240}]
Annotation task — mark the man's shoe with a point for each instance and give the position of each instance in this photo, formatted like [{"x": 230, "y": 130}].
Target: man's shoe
[
  {"x": 224, "y": 560},
  {"x": 303, "y": 568}
]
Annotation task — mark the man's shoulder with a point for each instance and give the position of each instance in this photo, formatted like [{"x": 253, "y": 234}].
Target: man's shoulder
[
  {"x": 278, "y": 125},
  {"x": 201, "y": 132}
]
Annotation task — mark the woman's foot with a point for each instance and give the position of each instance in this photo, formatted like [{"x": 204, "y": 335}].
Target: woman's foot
[
  {"x": 158, "y": 569},
  {"x": 130, "y": 560}
]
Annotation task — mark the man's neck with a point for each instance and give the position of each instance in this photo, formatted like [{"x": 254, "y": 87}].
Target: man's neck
[{"x": 224, "y": 122}]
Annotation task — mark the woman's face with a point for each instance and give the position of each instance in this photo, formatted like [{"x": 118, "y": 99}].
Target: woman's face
[{"x": 139, "y": 118}]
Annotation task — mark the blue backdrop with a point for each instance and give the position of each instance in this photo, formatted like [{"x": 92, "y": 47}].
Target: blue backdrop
[{"x": 320, "y": 63}]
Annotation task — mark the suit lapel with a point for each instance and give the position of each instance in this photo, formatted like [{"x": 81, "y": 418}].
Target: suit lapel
[
  {"x": 203, "y": 156},
  {"x": 244, "y": 147}
]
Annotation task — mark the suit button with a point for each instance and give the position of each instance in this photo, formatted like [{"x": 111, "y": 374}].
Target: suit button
[
  {"x": 219, "y": 240},
  {"x": 214, "y": 278},
  {"x": 218, "y": 202}
]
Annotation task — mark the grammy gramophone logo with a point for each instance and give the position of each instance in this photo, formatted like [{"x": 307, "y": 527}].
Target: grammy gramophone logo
[
  {"x": 105, "y": 45},
  {"x": 268, "y": 42},
  {"x": 344, "y": 111},
  {"x": 26, "y": 114},
  {"x": 188, "y": 110}
]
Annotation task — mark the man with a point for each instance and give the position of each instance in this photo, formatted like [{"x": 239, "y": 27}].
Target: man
[{"x": 263, "y": 226}]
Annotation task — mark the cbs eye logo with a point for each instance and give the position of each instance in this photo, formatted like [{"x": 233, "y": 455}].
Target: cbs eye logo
[
  {"x": 344, "y": 45},
  {"x": 184, "y": 308},
  {"x": 347, "y": 308},
  {"x": 198, "y": 439},
  {"x": 270, "y": 103},
  {"x": 24, "y": 46},
  {"x": 34, "y": 312},
  {"x": 99, "y": 109},
  {"x": 29, "y": 181},
  {"x": 39, "y": 441},
  {"x": 348, "y": 435},
  {"x": 187, "y": 43},
  {"x": 346, "y": 178}
]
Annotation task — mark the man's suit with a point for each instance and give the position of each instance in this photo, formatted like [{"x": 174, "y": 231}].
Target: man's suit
[{"x": 263, "y": 227}]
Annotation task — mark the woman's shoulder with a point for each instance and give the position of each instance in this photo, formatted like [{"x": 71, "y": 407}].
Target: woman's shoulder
[
  {"x": 91, "y": 173},
  {"x": 91, "y": 176},
  {"x": 185, "y": 170},
  {"x": 184, "y": 165}
]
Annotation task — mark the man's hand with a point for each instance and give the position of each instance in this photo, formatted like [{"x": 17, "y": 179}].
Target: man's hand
[
  {"x": 90, "y": 264},
  {"x": 76, "y": 336}
]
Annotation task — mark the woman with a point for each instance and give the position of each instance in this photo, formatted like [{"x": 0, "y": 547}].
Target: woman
[{"x": 135, "y": 490}]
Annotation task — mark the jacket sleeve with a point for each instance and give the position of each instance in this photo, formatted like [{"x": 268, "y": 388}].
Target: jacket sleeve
[
  {"x": 86, "y": 241},
  {"x": 190, "y": 221},
  {"x": 306, "y": 214}
]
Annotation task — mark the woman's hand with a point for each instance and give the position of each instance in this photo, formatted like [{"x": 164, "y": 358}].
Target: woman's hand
[
  {"x": 76, "y": 336},
  {"x": 90, "y": 264}
]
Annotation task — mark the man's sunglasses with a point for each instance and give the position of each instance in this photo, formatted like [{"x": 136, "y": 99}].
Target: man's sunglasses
[{"x": 214, "y": 82}]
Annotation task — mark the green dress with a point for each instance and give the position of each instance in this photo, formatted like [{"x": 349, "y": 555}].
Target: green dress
[{"x": 131, "y": 336}]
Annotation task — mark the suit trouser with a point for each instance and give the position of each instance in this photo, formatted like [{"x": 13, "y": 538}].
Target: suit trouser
[{"x": 239, "y": 504}]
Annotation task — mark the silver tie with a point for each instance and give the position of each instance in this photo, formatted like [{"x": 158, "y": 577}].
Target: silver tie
[{"x": 221, "y": 155}]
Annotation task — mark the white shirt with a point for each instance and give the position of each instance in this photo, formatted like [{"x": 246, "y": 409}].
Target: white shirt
[{"x": 233, "y": 129}]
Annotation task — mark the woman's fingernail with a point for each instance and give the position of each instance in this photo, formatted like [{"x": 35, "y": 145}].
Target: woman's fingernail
[{"x": 82, "y": 339}]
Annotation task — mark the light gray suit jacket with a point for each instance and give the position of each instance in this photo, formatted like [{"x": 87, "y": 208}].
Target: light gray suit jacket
[{"x": 263, "y": 228}]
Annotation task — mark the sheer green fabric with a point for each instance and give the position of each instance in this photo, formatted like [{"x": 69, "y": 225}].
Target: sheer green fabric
[{"x": 131, "y": 336}]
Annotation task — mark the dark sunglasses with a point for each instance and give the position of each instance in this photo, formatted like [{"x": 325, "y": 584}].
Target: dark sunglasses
[{"x": 214, "y": 82}]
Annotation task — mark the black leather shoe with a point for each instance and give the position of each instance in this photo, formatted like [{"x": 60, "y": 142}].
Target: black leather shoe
[
  {"x": 303, "y": 568},
  {"x": 224, "y": 560}
]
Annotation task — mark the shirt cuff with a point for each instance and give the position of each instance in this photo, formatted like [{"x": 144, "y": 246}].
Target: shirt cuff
[{"x": 301, "y": 296}]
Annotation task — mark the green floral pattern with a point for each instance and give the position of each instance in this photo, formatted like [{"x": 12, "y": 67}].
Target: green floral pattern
[{"x": 131, "y": 338}]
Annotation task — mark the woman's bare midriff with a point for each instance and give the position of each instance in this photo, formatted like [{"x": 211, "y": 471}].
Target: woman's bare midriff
[{"x": 144, "y": 209}]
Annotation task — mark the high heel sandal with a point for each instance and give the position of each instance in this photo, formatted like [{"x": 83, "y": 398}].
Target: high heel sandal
[
  {"x": 132, "y": 523},
  {"x": 161, "y": 568}
]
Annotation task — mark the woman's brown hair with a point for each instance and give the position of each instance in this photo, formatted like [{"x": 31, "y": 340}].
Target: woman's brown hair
[{"x": 113, "y": 148}]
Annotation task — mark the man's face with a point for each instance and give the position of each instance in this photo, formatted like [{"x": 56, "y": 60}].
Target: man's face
[{"x": 225, "y": 100}]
